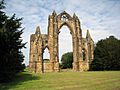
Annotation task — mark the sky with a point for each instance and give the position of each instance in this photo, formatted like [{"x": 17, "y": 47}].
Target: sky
[{"x": 100, "y": 17}]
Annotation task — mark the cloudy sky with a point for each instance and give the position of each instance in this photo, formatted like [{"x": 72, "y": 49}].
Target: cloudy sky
[{"x": 101, "y": 17}]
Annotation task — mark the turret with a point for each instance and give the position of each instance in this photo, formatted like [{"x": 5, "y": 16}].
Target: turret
[
  {"x": 88, "y": 36},
  {"x": 54, "y": 13},
  {"x": 74, "y": 16},
  {"x": 76, "y": 20},
  {"x": 38, "y": 33},
  {"x": 37, "y": 30}
]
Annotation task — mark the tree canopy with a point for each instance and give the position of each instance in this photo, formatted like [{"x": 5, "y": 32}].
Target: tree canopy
[
  {"x": 11, "y": 56},
  {"x": 67, "y": 60},
  {"x": 107, "y": 54}
]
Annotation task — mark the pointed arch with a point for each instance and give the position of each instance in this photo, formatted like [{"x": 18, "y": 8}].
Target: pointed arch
[
  {"x": 46, "y": 53},
  {"x": 63, "y": 37},
  {"x": 51, "y": 42},
  {"x": 65, "y": 24}
]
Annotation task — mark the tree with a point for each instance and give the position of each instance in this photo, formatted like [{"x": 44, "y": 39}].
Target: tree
[
  {"x": 11, "y": 57},
  {"x": 107, "y": 54},
  {"x": 67, "y": 60}
]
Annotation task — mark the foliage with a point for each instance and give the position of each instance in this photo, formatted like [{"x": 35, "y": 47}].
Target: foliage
[
  {"x": 107, "y": 54},
  {"x": 99, "y": 80},
  {"x": 67, "y": 60},
  {"x": 11, "y": 57}
]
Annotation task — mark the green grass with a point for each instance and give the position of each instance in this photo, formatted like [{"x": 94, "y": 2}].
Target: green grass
[{"x": 103, "y": 80}]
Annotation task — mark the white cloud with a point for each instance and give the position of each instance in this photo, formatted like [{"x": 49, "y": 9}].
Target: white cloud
[{"x": 101, "y": 17}]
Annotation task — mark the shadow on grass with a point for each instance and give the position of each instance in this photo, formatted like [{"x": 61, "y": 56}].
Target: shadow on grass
[{"x": 19, "y": 79}]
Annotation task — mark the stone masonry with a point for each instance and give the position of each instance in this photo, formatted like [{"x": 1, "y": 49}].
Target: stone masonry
[{"x": 83, "y": 48}]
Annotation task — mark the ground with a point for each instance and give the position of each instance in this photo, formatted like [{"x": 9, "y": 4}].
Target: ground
[{"x": 102, "y": 80}]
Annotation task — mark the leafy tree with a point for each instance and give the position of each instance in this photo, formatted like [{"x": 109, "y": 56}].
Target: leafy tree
[
  {"x": 67, "y": 60},
  {"x": 107, "y": 54},
  {"x": 11, "y": 57}
]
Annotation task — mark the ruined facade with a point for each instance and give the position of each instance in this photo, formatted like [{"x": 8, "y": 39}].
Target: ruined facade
[{"x": 82, "y": 47}]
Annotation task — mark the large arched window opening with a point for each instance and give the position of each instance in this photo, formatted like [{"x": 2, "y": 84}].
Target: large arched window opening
[
  {"x": 65, "y": 42},
  {"x": 46, "y": 55}
]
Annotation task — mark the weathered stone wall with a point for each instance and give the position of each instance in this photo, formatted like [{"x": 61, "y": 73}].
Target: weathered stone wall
[{"x": 38, "y": 43}]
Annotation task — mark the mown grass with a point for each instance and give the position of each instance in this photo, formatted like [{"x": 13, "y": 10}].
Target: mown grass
[{"x": 103, "y": 80}]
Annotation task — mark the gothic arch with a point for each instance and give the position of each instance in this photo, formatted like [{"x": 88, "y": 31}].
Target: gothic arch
[
  {"x": 50, "y": 40},
  {"x": 65, "y": 24},
  {"x": 67, "y": 47},
  {"x": 55, "y": 23},
  {"x": 69, "y": 22}
]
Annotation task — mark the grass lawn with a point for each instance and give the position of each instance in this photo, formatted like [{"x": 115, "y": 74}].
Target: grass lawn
[{"x": 103, "y": 80}]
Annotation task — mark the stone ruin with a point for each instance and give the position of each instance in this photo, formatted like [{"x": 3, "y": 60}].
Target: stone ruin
[{"x": 83, "y": 48}]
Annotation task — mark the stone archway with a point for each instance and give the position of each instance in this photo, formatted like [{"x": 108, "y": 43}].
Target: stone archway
[
  {"x": 67, "y": 20},
  {"x": 65, "y": 45},
  {"x": 50, "y": 40},
  {"x": 46, "y": 61},
  {"x": 56, "y": 22}
]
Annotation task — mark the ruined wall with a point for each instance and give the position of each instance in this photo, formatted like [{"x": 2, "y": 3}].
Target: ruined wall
[{"x": 82, "y": 47}]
